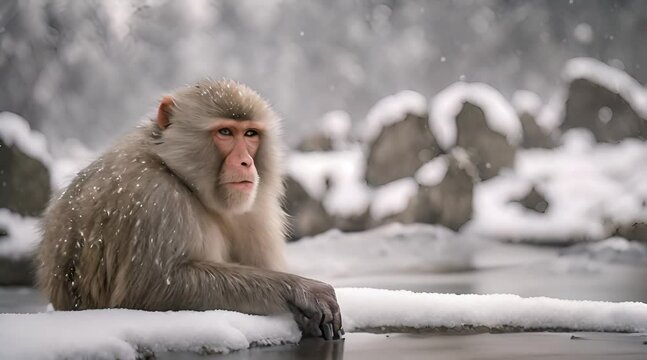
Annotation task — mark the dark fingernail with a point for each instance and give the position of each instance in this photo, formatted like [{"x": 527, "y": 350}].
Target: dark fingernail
[{"x": 326, "y": 330}]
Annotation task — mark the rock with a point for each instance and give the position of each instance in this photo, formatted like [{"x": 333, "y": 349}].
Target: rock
[
  {"x": 316, "y": 142},
  {"x": 24, "y": 182},
  {"x": 16, "y": 271},
  {"x": 307, "y": 215},
  {"x": 608, "y": 115},
  {"x": 400, "y": 149},
  {"x": 444, "y": 198},
  {"x": 533, "y": 135},
  {"x": 353, "y": 223},
  {"x": 489, "y": 150},
  {"x": 534, "y": 201},
  {"x": 634, "y": 231},
  {"x": 333, "y": 133}
]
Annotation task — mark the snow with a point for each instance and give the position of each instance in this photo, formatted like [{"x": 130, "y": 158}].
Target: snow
[
  {"x": 14, "y": 130},
  {"x": 612, "y": 250},
  {"x": 348, "y": 195},
  {"x": 336, "y": 125},
  {"x": 609, "y": 77},
  {"x": 392, "y": 109},
  {"x": 392, "y": 198},
  {"x": 590, "y": 188},
  {"x": 583, "y": 33},
  {"x": 387, "y": 249},
  {"x": 447, "y": 104},
  {"x": 23, "y": 234},
  {"x": 129, "y": 334},
  {"x": 433, "y": 172},
  {"x": 528, "y": 102}
]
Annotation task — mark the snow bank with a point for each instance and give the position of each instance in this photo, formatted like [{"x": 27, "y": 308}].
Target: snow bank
[
  {"x": 608, "y": 77},
  {"x": 377, "y": 308},
  {"x": 392, "y": 198},
  {"x": 23, "y": 235},
  {"x": 131, "y": 334},
  {"x": 392, "y": 109},
  {"x": 591, "y": 188},
  {"x": 433, "y": 172},
  {"x": 348, "y": 195},
  {"x": 127, "y": 334},
  {"x": 14, "y": 130},
  {"x": 386, "y": 249},
  {"x": 447, "y": 104}
]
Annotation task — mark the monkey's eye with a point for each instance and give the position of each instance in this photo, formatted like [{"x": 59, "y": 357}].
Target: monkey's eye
[
  {"x": 251, "y": 132},
  {"x": 224, "y": 131}
]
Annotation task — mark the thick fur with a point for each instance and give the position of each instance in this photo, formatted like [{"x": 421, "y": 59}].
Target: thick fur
[{"x": 144, "y": 226}]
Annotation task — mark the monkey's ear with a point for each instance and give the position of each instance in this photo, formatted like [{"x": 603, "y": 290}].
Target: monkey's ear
[{"x": 164, "y": 112}]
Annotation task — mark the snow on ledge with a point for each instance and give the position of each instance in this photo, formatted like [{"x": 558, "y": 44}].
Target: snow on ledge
[
  {"x": 609, "y": 77},
  {"x": 392, "y": 109},
  {"x": 127, "y": 334},
  {"x": 447, "y": 104},
  {"x": 528, "y": 102},
  {"x": 14, "y": 130}
]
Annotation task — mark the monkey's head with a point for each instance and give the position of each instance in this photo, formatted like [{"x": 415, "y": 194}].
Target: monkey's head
[{"x": 220, "y": 138}]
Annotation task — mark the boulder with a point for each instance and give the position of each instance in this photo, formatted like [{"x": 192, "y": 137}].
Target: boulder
[
  {"x": 24, "y": 181},
  {"x": 634, "y": 231},
  {"x": 535, "y": 136},
  {"x": 534, "y": 200},
  {"x": 487, "y": 149},
  {"x": 306, "y": 215},
  {"x": 444, "y": 195},
  {"x": 16, "y": 271},
  {"x": 609, "y": 115},
  {"x": 400, "y": 149}
]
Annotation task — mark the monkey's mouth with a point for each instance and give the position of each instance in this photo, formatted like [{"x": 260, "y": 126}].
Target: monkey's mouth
[{"x": 240, "y": 185}]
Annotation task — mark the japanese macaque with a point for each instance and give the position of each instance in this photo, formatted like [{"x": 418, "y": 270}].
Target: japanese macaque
[{"x": 183, "y": 213}]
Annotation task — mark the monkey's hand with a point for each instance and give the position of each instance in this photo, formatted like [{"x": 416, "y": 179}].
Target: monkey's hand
[{"x": 315, "y": 308}]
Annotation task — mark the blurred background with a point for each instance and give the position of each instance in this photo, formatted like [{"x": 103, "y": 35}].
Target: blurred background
[{"x": 499, "y": 145}]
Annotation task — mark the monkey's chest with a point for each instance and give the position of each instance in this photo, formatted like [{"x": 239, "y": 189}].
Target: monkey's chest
[{"x": 215, "y": 246}]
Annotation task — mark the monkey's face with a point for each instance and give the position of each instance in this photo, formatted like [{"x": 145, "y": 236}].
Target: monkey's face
[{"x": 237, "y": 141}]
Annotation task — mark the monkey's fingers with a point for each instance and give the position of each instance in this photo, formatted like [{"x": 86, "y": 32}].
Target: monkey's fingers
[{"x": 326, "y": 330}]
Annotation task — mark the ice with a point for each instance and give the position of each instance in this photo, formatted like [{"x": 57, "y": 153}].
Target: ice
[
  {"x": 446, "y": 105},
  {"x": 392, "y": 109}
]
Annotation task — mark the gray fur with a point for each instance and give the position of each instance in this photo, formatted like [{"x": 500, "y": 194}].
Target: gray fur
[{"x": 144, "y": 226}]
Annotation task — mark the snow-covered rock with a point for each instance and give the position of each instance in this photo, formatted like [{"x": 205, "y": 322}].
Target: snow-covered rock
[
  {"x": 605, "y": 100},
  {"x": 398, "y": 139},
  {"x": 306, "y": 215},
  {"x": 333, "y": 133},
  {"x": 25, "y": 183},
  {"x": 529, "y": 106},
  {"x": 592, "y": 189}
]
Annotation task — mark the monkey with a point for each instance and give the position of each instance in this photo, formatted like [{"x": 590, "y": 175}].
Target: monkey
[{"x": 183, "y": 213}]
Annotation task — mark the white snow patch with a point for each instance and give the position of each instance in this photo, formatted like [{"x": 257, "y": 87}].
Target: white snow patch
[
  {"x": 609, "y": 77},
  {"x": 348, "y": 194},
  {"x": 591, "y": 188},
  {"x": 117, "y": 333},
  {"x": 23, "y": 234},
  {"x": 387, "y": 249},
  {"x": 392, "y": 109},
  {"x": 376, "y": 308},
  {"x": 392, "y": 198},
  {"x": 336, "y": 125},
  {"x": 14, "y": 130},
  {"x": 433, "y": 172},
  {"x": 528, "y": 102},
  {"x": 447, "y": 104}
]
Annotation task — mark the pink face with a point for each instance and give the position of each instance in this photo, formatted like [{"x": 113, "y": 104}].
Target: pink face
[{"x": 238, "y": 142}]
